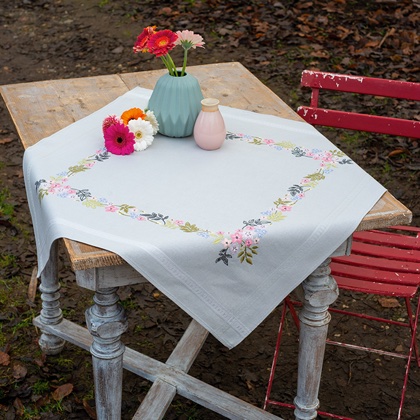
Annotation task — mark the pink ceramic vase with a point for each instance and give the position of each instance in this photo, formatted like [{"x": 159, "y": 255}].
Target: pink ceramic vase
[{"x": 209, "y": 128}]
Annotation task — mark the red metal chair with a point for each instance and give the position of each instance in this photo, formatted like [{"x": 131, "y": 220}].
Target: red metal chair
[{"x": 382, "y": 262}]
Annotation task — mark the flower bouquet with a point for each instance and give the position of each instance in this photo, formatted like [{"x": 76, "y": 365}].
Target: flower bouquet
[
  {"x": 176, "y": 98},
  {"x": 159, "y": 43},
  {"x": 133, "y": 131}
]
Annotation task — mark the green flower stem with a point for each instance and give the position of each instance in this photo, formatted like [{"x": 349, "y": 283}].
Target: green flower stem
[
  {"x": 167, "y": 64},
  {"x": 172, "y": 64},
  {"x": 184, "y": 66}
]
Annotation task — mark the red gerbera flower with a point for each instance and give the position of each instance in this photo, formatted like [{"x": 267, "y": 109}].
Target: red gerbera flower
[
  {"x": 162, "y": 42},
  {"x": 143, "y": 39},
  {"x": 119, "y": 140}
]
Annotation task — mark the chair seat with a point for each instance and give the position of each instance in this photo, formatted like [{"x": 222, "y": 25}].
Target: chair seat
[{"x": 376, "y": 288}]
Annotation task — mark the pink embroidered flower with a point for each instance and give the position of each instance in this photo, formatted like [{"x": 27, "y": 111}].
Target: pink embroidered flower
[
  {"x": 248, "y": 242},
  {"x": 226, "y": 242},
  {"x": 179, "y": 222},
  {"x": 267, "y": 141},
  {"x": 119, "y": 140},
  {"x": 237, "y": 236},
  {"x": 285, "y": 208},
  {"x": 111, "y": 208},
  {"x": 305, "y": 181}
]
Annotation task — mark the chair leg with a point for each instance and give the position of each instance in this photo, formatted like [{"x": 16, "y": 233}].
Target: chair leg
[
  {"x": 276, "y": 354},
  {"x": 413, "y": 347}
]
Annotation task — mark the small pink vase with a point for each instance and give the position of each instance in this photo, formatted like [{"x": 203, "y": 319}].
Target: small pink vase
[{"x": 209, "y": 128}]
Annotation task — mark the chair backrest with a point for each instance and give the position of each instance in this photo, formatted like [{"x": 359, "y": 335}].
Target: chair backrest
[{"x": 316, "y": 115}]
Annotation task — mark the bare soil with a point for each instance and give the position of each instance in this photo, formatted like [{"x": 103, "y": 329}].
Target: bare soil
[{"x": 276, "y": 40}]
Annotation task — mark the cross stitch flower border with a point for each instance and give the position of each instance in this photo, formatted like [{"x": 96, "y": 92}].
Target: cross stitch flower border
[{"x": 241, "y": 243}]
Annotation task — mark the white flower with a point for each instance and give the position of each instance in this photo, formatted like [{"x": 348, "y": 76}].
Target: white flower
[
  {"x": 143, "y": 133},
  {"x": 150, "y": 116}
]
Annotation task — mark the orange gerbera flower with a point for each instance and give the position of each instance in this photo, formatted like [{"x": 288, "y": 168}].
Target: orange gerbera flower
[{"x": 132, "y": 114}]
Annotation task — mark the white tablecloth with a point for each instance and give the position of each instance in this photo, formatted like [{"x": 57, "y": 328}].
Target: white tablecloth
[{"x": 225, "y": 234}]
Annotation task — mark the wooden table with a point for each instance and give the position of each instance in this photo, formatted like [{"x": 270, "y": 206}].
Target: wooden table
[{"x": 41, "y": 108}]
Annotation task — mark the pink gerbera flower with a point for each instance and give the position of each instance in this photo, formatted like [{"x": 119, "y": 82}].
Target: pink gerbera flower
[
  {"x": 162, "y": 42},
  {"x": 119, "y": 140},
  {"x": 108, "y": 121},
  {"x": 188, "y": 39}
]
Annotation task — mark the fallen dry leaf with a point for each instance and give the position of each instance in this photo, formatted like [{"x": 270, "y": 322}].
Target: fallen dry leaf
[
  {"x": 62, "y": 391},
  {"x": 19, "y": 371},
  {"x": 4, "y": 359},
  {"x": 20, "y": 408},
  {"x": 386, "y": 302},
  {"x": 33, "y": 285}
]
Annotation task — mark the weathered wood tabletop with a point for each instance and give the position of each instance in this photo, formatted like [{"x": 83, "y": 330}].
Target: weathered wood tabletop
[{"x": 40, "y": 109}]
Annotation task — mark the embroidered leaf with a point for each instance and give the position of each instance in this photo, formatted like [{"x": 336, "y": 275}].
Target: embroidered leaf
[
  {"x": 286, "y": 144},
  {"x": 257, "y": 141},
  {"x": 223, "y": 256},
  {"x": 276, "y": 217},
  {"x": 76, "y": 169},
  {"x": 232, "y": 136},
  {"x": 38, "y": 183},
  {"x": 100, "y": 157},
  {"x": 218, "y": 238},
  {"x": 93, "y": 204},
  {"x": 254, "y": 249},
  {"x": 42, "y": 193},
  {"x": 171, "y": 225},
  {"x": 155, "y": 217},
  {"x": 295, "y": 189},
  {"x": 298, "y": 152},
  {"x": 83, "y": 194},
  {"x": 188, "y": 227},
  {"x": 345, "y": 161},
  {"x": 255, "y": 222},
  {"x": 317, "y": 176},
  {"x": 280, "y": 202},
  {"x": 124, "y": 208}
]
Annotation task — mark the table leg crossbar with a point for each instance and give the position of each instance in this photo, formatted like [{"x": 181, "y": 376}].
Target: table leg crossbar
[{"x": 168, "y": 378}]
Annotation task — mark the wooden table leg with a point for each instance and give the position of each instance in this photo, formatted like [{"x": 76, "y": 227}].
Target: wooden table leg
[
  {"x": 50, "y": 313},
  {"x": 320, "y": 291},
  {"x": 106, "y": 322}
]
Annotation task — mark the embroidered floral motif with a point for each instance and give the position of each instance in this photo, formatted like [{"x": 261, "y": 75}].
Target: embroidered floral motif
[{"x": 241, "y": 243}]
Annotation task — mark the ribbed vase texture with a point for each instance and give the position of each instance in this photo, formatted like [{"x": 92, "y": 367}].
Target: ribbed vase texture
[{"x": 176, "y": 103}]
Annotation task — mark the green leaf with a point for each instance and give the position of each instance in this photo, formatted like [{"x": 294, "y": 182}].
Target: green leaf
[
  {"x": 276, "y": 217},
  {"x": 93, "y": 204},
  {"x": 188, "y": 227}
]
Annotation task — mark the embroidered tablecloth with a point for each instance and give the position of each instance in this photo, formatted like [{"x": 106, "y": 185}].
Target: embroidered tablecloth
[{"x": 225, "y": 234}]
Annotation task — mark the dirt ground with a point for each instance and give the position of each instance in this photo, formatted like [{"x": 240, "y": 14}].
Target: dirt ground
[{"x": 276, "y": 40}]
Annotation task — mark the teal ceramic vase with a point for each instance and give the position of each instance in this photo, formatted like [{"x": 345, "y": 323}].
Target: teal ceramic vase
[{"x": 176, "y": 103}]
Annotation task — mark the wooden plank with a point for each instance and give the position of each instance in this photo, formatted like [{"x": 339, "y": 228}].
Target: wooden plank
[
  {"x": 187, "y": 386},
  {"x": 113, "y": 276},
  {"x": 40, "y": 109},
  {"x": 156, "y": 402},
  {"x": 388, "y": 211}
]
